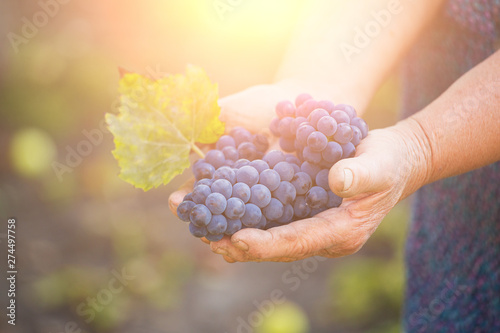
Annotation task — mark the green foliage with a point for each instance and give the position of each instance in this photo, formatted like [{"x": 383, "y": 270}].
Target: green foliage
[{"x": 159, "y": 122}]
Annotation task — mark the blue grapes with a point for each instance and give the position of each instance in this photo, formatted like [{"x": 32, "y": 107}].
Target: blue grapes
[{"x": 240, "y": 184}]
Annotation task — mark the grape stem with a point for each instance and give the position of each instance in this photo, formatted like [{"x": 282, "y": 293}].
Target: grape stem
[{"x": 197, "y": 150}]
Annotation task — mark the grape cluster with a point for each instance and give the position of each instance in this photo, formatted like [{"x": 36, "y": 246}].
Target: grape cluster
[
  {"x": 238, "y": 185},
  {"x": 320, "y": 132}
]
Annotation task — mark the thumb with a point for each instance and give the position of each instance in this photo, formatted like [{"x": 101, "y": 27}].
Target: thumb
[{"x": 358, "y": 175}]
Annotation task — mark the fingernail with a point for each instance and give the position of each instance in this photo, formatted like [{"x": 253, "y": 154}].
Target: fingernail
[
  {"x": 348, "y": 177},
  {"x": 221, "y": 251},
  {"x": 241, "y": 245}
]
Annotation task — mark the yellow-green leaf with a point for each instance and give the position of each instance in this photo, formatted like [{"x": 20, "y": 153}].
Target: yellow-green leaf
[{"x": 159, "y": 122}]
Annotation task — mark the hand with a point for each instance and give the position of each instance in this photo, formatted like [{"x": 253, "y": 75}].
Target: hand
[{"x": 390, "y": 164}]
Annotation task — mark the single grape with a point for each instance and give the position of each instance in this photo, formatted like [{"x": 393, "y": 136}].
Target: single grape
[
  {"x": 214, "y": 238},
  {"x": 188, "y": 197},
  {"x": 247, "y": 150},
  {"x": 317, "y": 115},
  {"x": 197, "y": 231},
  {"x": 217, "y": 225},
  {"x": 287, "y": 145},
  {"x": 273, "y": 157},
  {"x": 302, "y": 182},
  {"x": 274, "y": 126},
  {"x": 200, "y": 193},
  {"x": 242, "y": 191},
  {"x": 292, "y": 159},
  {"x": 203, "y": 170},
  {"x": 347, "y": 109},
  {"x": 317, "y": 141},
  {"x": 200, "y": 215},
  {"x": 310, "y": 156},
  {"x": 326, "y": 105},
  {"x": 261, "y": 143},
  {"x": 252, "y": 215},
  {"x": 235, "y": 208},
  {"x": 259, "y": 165},
  {"x": 287, "y": 216},
  {"x": 240, "y": 135},
  {"x": 327, "y": 125},
  {"x": 233, "y": 226},
  {"x": 262, "y": 223},
  {"x": 322, "y": 179},
  {"x": 225, "y": 172},
  {"x": 303, "y": 133},
  {"x": 204, "y": 181},
  {"x": 306, "y": 108},
  {"x": 248, "y": 175},
  {"x": 344, "y": 133},
  {"x": 184, "y": 209},
  {"x": 285, "y": 109},
  {"x": 285, "y": 128},
  {"x": 225, "y": 141},
  {"x": 300, "y": 208},
  {"x": 274, "y": 210},
  {"x": 230, "y": 153},
  {"x": 296, "y": 123},
  {"x": 348, "y": 150},
  {"x": 333, "y": 200},
  {"x": 241, "y": 163},
  {"x": 217, "y": 203},
  {"x": 311, "y": 169},
  {"x": 341, "y": 117},
  {"x": 285, "y": 192},
  {"x": 216, "y": 158},
  {"x": 356, "y": 135},
  {"x": 332, "y": 153},
  {"x": 222, "y": 186},
  {"x": 270, "y": 179},
  {"x": 261, "y": 196},
  {"x": 316, "y": 197},
  {"x": 285, "y": 170},
  {"x": 300, "y": 99},
  {"x": 361, "y": 124}
]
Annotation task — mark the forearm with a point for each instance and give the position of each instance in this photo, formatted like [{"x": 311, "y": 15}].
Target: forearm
[
  {"x": 325, "y": 57},
  {"x": 459, "y": 131}
]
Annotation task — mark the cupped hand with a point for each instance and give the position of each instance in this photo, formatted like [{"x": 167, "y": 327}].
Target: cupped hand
[{"x": 389, "y": 165}]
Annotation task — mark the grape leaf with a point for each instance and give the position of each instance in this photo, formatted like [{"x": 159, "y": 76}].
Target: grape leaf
[{"x": 159, "y": 122}]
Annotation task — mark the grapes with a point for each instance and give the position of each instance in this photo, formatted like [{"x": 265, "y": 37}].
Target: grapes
[
  {"x": 216, "y": 202},
  {"x": 248, "y": 175},
  {"x": 239, "y": 184},
  {"x": 261, "y": 196}
]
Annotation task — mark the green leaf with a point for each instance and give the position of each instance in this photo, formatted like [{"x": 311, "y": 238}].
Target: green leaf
[{"x": 160, "y": 121}]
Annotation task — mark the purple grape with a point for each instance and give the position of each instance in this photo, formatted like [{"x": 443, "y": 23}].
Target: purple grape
[
  {"x": 248, "y": 175},
  {"x": 285, "y": 192},
  {"x": 235, "y": 208},
  {"x": 247, "y": 150},
  {"x": 306, "y": 108},
  {"x": 348, "y": 150},
  {"x": 333, "y": 200},
  {"x": 261, "y": 196},
  {"x": 361, "y": 124},
  {"x": 303, "y": 133},
  {"x": 287, "y": 216},
  {"x": 242, "y": 191},
  {"x": 344, "y": 133},
  {"x": 222, "y": 186},
  {"x": 274, "y": 126},
  {"x": 217, "y": 225},
  {"x": 252, "y": 215},
  {"x": 356, "y": 135},
  {"x": 214, "y": 238},
  {"x": 292, "y": 159},
  {"x": 300, "y": 99},
  {"x": 341, "y": 117},
  {"x": 262, "y": 223},
  {"x": 327, "y": 125},
  {"x": 311, "y": 169},
  {"x": 302, "y": 182},
  {"x": 200, "y": 215},
  {"x": 285, "y": 170},
  {"x": 184, "y": 209},
  {"x": 240, "y": 135},
  {"x": 316, "y": 197},
  {"x": 225, "y": 172},
  {"x": 197, "y": 231},
  {"x": 230, "y": 153},
  {"x": 285, "y": 109},
  {"x": 327, "y": 105},
  {"x": 317, "y": 141},
  {"x": 233, "y": 226},
  {"x": 273, "y": 157},
  {"x": 259, "y": 165},
  {"x": 287, "y": 145},
  {"x": 300, "y": 208},
  {"x": 274, "y": 210},
  {"x": 188, "y": 197},
  {"x": 332, "y": 153},
  {"x": 317, "y": 115},
  {"x": 310, "y": 156},
  {"x": 270, "y": 179},
  {"x": 261, "y": 143},
  {"x": 241, "y": 163},
  {"x": 347, "y": 108},
  {"x": 204, "y": 181},
  {"x": 296, "y": 123},
  {"x": 322, "y": 179},
  {"x": 225, "y": 141},
  {"x": 216, "y": 158},
  {"x": 200, "y": 193},
  {"x": 203, "y": 170},
  {"x": 285, "y": 128},
  {"x": 217, "y": 203}
]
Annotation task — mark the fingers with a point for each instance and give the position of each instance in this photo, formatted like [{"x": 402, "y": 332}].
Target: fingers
[{"x": 175, "y": 199}]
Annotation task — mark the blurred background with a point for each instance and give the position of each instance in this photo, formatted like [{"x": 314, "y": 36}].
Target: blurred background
[{"x": 96, "y": 255}]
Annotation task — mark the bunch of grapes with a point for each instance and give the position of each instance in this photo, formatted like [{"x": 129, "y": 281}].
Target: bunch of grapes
[
  {"x": 238, "y": 185},
  {"x": 320, "y": 132}
]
